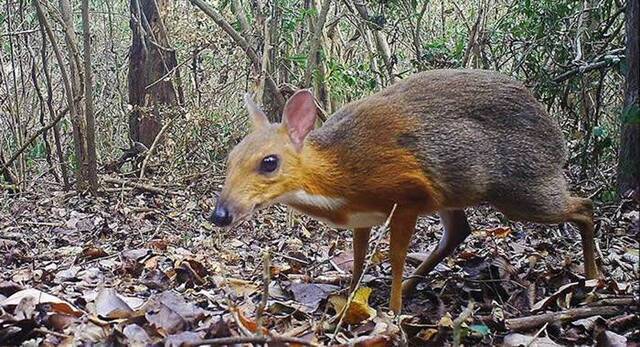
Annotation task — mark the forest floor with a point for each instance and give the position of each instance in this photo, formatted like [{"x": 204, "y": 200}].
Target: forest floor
[{"x": 135, "y": 267}]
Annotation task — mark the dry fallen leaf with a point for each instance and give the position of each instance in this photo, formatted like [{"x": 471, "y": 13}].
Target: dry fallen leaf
[
  {"x": 446, "y": 321},
  {"x": 427, "y": 334},
  {"x": 170, "y": 313},
  {"x": 109, "y": 305},
  {"x": 359, "y": 309},
  {"x": 343, "y": 261},
  {"x": 519, "y": 340},
  {"x": 611, "y": 339},
  {"x": 248, "y": 323},
  {"x": 92, "y": 252},
  {"x": 311, "y": 294},
  {"x": 499, "y": 232},
  {"x": 57, "y": 305},
  {"x": 239, "y": 287},
  {"x": 59, "y": 322},
  {"x": 183, "y": 338},
  {"x": 371, "y": 341},
  {"x": 136, "y": 335}
]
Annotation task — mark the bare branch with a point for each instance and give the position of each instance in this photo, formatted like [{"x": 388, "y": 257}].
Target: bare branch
[{"x": 253, "y": 57}]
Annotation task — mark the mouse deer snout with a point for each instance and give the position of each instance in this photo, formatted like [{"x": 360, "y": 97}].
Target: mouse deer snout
[{"x": 221, "y": 215}]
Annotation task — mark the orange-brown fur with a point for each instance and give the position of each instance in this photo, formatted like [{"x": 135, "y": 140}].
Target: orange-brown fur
[{"x": 372, "y": 188}]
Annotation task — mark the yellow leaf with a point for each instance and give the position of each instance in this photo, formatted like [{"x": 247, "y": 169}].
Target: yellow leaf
[
  {"x": 359, "y": 309},
  {"x": 427, "y": 334},
  {"x": 446, "y": 321}
]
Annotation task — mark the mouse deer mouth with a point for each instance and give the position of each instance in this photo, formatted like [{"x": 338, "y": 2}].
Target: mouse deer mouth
[{"x": 244, "y": 216}]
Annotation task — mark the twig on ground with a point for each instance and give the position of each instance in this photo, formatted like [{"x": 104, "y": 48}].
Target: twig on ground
[
  {"x": 457, "y": 323},
  {"x": 142, "y": 186},
  {"x": 535, "y": 337},
  {"x": 255, "y": 340},
  {"x": 266, "y": 279},
  {"x": 51, "y": 332},
  {"x": 531, "y": 322}
]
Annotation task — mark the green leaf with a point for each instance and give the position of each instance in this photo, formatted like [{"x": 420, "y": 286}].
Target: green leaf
[
  {"x": 631, "y": 114},
  {"x": 480, "y": 329},
  {"x": 300, "y": 59},
  {"x": 38, "y": 151},
  {"x": 599, "y": 132}
]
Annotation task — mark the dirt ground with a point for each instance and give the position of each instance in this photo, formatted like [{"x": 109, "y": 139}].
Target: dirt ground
[{"x": 135, "y": 267}]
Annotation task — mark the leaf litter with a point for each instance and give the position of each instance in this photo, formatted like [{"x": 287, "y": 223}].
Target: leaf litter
[{"x": 136, "y": 268}]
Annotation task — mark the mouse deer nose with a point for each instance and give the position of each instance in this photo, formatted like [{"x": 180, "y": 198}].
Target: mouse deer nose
[{"x": 221, "y": 216}]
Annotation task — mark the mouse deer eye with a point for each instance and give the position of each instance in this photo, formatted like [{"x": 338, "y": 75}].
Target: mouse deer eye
[{"x": 269, "y": 164}]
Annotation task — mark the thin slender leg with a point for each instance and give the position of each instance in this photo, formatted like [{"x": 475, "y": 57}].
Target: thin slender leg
[
  {"x": 402, "y": 226},
  {"x": 360, "y": 246},
  {"x": 456, "y": 230},
  {"x": 582, "y": 216}
]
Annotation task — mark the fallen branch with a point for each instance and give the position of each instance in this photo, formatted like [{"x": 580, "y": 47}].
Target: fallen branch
[
  {"x": 614, "y": 302},
  {"x": 266, "y": 279},
  {"x": 142, "y": 186},
  {"x": 254, "y": 340},
  {"x": 531, "y": 322}
]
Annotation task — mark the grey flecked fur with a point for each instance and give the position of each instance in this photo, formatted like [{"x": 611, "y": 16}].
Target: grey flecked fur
[{"x": 481, "y": 134}]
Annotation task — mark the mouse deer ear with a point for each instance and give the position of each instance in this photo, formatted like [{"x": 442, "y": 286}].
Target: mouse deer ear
[
  {"x": 258, "y": 118},
  {"x": 299, "y": 116}
]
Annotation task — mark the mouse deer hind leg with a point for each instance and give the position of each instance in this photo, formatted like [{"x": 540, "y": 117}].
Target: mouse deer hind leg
[
  {"x": 548, "y": 202},
  {"x": 456, "y": 230},
  {"x": 580, "y": 212}
]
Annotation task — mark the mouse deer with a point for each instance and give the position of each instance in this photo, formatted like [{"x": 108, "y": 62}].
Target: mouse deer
[{"x": 436, "y": 142}]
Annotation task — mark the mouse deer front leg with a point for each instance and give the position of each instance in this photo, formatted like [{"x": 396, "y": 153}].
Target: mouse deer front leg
[
  {"x": 360, "y": 247},
  {"x": 403, "y": 224}
]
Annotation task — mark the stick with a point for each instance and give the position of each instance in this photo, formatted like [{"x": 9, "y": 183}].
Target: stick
[
  {"x": 457, "y": 323},
  {"x": 266, "y": 279},
  {"x": 166, "y": 75},
  {"x": 142, "y": 186},
  {"x": 153, "y": 146},
  {"x": 254, "y": 340},
  {"x": 51, "y": 332},
  {"x": 526, "y": 323},
  {"x": 535, "y": 337},
  {"x": 33, "y": 137},
  {"x": 255, "y": 60},
  {"x": 586, "y": 68}
]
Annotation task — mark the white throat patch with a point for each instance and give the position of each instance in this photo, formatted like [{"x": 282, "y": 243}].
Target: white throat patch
[{"x": 300, "y": 197}]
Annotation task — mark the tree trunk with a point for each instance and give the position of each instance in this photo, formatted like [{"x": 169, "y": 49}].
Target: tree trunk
[
  {"x": 92, "y": 175},
  {"x": 52, "y": 115},
  {"x": 151, "y": 64},
  {"x": 380, "y": 38},
  {"x": 77, "y": 86},
  {"x": 629, "y": 155}
]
